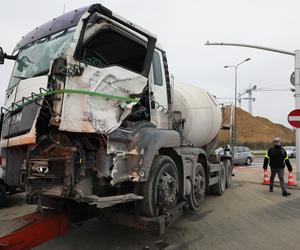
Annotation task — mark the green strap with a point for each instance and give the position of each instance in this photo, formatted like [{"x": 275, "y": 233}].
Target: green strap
[
  {"x": 91, "y": 93},
  {"x": 27, "y": 100}
]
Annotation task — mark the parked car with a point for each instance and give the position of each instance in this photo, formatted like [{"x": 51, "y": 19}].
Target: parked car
[
  {"x": 242, "y": 156},
  {"x": 291, "y": 151},
  {"x": 223, "y": 150}
]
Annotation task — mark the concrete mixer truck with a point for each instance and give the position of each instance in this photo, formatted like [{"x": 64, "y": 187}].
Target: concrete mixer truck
[{"x": 93, "y": 118}]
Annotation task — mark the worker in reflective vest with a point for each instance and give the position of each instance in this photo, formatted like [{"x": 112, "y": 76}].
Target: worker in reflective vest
[{"x": 277, "y": 158}]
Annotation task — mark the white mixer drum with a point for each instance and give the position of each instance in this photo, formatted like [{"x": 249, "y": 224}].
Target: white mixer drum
[{"x": 201, "y": 112}]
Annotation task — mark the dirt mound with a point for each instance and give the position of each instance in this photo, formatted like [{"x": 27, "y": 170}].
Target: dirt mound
[{"x": 255, "y": 130}]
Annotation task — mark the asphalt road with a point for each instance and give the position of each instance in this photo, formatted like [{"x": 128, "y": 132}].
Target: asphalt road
[{"x": 247, "y": 216}]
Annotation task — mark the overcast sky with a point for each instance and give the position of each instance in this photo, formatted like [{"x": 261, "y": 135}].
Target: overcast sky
[{"x": 182, "y": 28}]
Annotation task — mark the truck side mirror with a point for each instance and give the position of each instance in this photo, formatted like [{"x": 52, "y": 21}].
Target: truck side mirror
[{"x": 1, "y": 56}]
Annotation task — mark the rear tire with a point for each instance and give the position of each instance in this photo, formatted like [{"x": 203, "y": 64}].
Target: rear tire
[
  {"x": 228, "y": 169},
  {"x": 219, "y": 187},
  {"x": 248, "y": 161},
  {"x": 162, "y": 187}
]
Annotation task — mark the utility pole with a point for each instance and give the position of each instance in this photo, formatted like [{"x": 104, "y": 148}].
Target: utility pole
[{"x": 296, "y": 55}]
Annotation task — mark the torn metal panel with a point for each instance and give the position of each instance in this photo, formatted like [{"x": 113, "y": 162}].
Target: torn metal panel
[
  {"x": 104, "y": 162},
  {"x": 102, "y": 202},
  {"x": 59, "y": 177},
  {"x": 135, "y": 150},
  {"x": 126, "y": 166},
  {"x": 91, "y": 114}
]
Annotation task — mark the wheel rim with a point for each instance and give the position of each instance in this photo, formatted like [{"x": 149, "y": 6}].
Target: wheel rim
[
  {"x": 166, "y": 188},
  {"x": 199, "y": 186},
  {"x": 248, "y": 161}
]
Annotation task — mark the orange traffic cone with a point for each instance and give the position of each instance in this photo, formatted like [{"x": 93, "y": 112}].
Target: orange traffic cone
[
  {"x": 290, "y": 179},
  {"x": 266, "y": 178}
]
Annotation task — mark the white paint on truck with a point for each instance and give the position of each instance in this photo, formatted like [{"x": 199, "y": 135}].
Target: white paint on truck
[
  {"x": 200, "y": 111},
  {"x": 92, "y": 114}
]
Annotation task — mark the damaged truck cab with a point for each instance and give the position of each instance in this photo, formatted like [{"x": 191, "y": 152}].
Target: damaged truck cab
[{"x": 90, "y": 117}]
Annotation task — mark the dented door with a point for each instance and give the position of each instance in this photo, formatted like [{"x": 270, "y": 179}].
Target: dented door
[
  {"x": 96, "y": 114},
  {"x": 112, "y": 61}
]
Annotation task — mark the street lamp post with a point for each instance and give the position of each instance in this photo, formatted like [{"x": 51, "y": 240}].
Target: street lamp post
[
  {"x": 296, "y": 55},
  {"x": 233, "y": 139}
]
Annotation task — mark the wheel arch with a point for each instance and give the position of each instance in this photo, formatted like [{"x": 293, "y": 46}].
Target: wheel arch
[{"x": 152, "y": 142}]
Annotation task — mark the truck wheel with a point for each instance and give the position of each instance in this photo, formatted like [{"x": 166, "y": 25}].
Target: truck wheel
[
  {"x": 248, "y": 161},
  {"x": 228, "y": 171},
  {"x": 198, "y": 188},
  {"x": 219, "y": 187},
  {"x": 162, "y": 187},
  {"x": 2, "y": 194}
]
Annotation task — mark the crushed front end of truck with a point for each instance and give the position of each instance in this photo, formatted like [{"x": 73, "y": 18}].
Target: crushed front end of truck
[{"x": 78, "y": 106}]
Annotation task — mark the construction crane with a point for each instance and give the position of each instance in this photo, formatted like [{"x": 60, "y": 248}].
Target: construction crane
[
  {"x": 254, "y": 88},
  {"x": 249, "y": 98}
]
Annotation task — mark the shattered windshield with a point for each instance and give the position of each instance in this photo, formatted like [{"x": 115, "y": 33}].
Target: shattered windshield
[{"x": 34, "y": 59}]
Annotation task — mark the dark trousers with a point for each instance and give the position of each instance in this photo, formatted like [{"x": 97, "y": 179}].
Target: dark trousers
[{"x": 280, "y": 174}]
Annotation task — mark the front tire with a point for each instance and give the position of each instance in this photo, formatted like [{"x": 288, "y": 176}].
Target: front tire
[{"x": 162, "y": 187}]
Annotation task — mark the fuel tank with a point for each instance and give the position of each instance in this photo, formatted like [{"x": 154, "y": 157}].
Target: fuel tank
[{"x": 200, "y": 111}]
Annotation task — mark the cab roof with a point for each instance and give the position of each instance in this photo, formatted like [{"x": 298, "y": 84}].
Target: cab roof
[
  {"x": 57, "y": 24},
  {"x": 64, "y": 22}
]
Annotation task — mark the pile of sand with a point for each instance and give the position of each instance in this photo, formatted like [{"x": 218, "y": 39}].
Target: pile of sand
[{"x": 255, "y": 129}]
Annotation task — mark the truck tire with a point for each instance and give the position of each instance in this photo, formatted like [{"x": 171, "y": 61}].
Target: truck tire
[
  {"x": 198, "y": 188},
  {"x": 162, "y": 187},
  {"x": 219, "y": 187},
  {"x": 228, "y": 171},
  {"x": 2, "y": 194}
]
